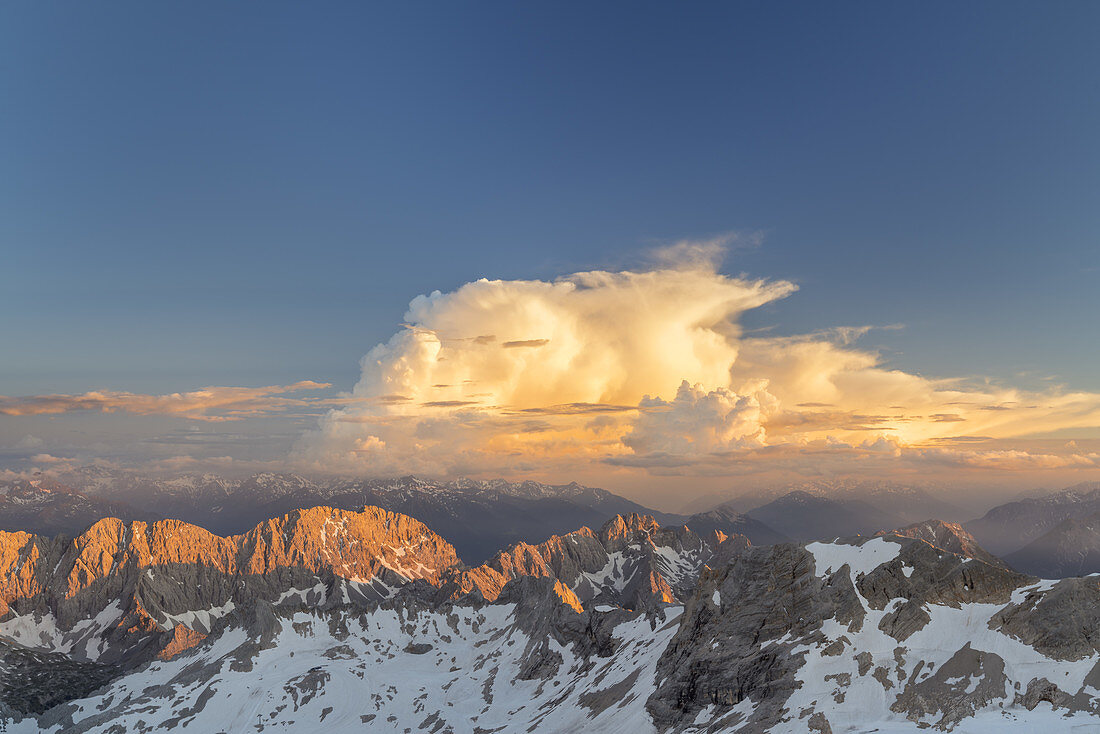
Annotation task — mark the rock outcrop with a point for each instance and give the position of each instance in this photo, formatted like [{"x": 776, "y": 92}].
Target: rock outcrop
[{"x": 786, "y": 633}]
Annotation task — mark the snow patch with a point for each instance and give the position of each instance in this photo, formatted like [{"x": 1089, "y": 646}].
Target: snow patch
[{"x": 829, "y": 557}]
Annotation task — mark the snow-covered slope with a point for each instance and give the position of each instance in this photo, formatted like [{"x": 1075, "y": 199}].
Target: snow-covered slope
[{"x": 393, "y": 669}]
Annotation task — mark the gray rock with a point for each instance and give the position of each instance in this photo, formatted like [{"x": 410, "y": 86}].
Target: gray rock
[{"x": 967, "y": 682}]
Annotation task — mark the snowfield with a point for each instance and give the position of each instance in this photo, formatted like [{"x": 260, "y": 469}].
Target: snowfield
[{"x": 379, "y": 672}]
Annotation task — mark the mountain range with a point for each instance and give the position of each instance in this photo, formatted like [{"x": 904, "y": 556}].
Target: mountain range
[
  {"x": 46, "y": 506},
  {"x": 1046, "y": 534},
  {"x": 1070, "y": 548},
  {"x": 478, "y": 517},
  {"x": 906, "y": 502},
  {"x": 1012, "y": 525},
  {"x": 804, "y": 516},
  {"x": 367, "y": 620}
]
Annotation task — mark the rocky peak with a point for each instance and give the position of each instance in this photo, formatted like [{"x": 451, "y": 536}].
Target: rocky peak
[
  {"x": 949, "y": 536},
  {"x": 622, "y": 530},
  {"x": 631, "y": 562}
]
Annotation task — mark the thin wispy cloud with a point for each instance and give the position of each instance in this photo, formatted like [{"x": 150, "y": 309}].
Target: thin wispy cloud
[{"x": 207, "y": 404}]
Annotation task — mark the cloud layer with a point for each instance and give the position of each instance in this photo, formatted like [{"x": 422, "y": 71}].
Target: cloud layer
[
  {"x": 209, "y": 404},
  {"x": 620, "y": 378},
  {"x": 650, "y": 370}
]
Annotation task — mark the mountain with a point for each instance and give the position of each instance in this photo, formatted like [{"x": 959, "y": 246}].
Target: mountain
[
  {"x": 478, "y": 517},
  {"x": 45, "y": 506},
  {"x": 879, "y": 634},
  {"x": 1013, "y": 525},
  {"x": 345, "y": 621},
  {"x": 908, "y": 502},
  {"x": 806, "y": 516},
  {"x": 630, "y": 562},
  {"x": 124, "y": 593},
  {"x": 127, "y": 592},
  {"x": 949, "y": 536},
  {"x": 912, "y": 504},
  {"x": 1070, "y": 548},
  {"x": 726, "y": 521}
]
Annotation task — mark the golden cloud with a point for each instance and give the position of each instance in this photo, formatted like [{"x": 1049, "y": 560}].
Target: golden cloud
[{"x": 651, "y": 370}]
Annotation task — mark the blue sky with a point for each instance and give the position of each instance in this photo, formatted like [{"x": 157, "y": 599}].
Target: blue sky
[
  {"x": 207, "y": 194},
  {"x": 251, "y": 194}
]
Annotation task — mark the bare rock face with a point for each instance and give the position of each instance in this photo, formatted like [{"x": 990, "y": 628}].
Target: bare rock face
[
  {"x": 844, "y": 635},
  {"x": 621, "y": 531},
  {"x": 631, "y": 561},
  {"x": 24, "y": 560},
  {"x": 479, "y": 517},
  {"x": 751, "y": 629},
  {"x": 32, "y": 681},
  {"x": 1060, "y": 621},
  {"x": 183, "y": 638},
  {"x": 1041, "y": 690},
  {"x": 546, "y": 609},
  {"x": 126, "y": 592},
  {"x": 969, "y": 681},
  {"x": 928, "y": 575},
  {"x": 720, "y": 656},
  {"x": 139, "y": 581},
  {"x": 566, "y": 557}
]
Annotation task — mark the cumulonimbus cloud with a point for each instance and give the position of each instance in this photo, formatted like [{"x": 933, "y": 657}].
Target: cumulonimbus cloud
[
  {"x": 650, "y": 370},
  {"x": 209, "y": 403}
]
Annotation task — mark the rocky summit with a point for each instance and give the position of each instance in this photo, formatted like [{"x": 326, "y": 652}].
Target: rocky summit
[{"x": 368, "y": 620}]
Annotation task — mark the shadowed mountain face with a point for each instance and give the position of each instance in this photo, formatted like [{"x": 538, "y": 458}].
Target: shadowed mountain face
[
  {"x": 48, "y": 507},
  {"x": 1070, "y": 548},
  {"x": 726, "y": 521},
  {"x": 805, "y": 516},
  {"x": 1011, "y": 526},
  {"x": 907, "y": 502}
]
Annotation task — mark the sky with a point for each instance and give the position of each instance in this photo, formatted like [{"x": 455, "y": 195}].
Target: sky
[{"x": 254, "y": 198}]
